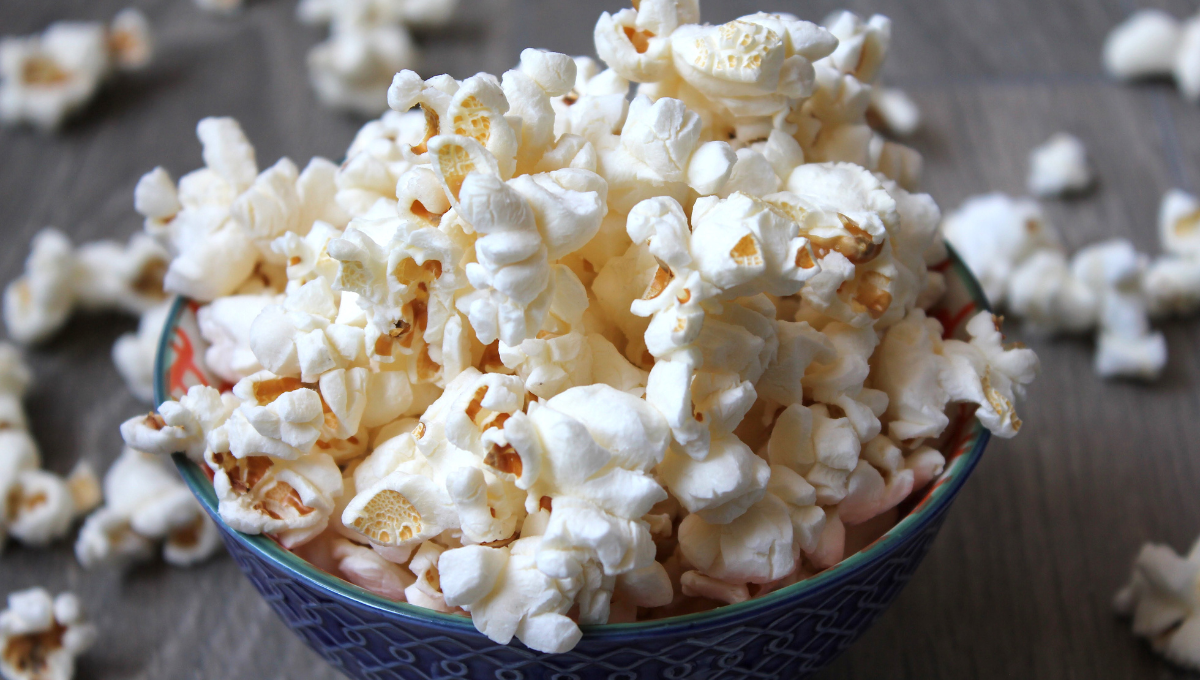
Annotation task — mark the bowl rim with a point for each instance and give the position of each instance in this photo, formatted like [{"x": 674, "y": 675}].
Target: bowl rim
[{"x": 938, "y": 498}]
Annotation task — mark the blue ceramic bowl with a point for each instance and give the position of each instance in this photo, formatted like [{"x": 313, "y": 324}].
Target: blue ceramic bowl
[{"x": 790, "y": 633}]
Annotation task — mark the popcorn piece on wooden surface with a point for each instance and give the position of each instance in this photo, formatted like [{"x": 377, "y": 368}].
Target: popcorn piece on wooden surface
[
  {"x": 994, "y": 234},
  {"x": 46, "y": 78},
  {"x": 1187, "y": 61},
  {"x": 41, "y": 635},
  {"x": 1143, "y": 45},
  {"x": 1163, "y": 598},
  {"x": 369, "y": 43},
  {"x": 145, "y": 504},
  {"x": 1059, "y": 166},
  {"x": 38, "y": 303},
  {"x": 1179, "y": 224}
]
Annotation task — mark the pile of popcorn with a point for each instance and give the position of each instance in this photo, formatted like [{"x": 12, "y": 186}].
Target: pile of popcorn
[
  {"x": 37, "y": 506},
  {"x": 550, "y": 356},
  {"x": 1109, "y": 287},
  {"x": 1153, "y": 44},
  {"x": 369, "y": 42},
  {"x": 45, "y": 78}
]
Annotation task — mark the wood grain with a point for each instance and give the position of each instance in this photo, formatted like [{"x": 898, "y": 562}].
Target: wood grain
[{"x": 1018, "y": 584}]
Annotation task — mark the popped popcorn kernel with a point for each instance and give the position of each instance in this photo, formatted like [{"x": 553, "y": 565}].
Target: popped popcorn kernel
[{"x": 41, "y": 635}]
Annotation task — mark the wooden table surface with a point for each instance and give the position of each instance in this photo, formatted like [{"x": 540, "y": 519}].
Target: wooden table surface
[{"x": 1020, "y": 581}]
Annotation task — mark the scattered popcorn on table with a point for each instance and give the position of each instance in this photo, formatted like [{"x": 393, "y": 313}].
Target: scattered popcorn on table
[
  {"x": 368, "y": 43},
  {"x": 1108, "y": 287},
  {"x": 1163, "y": 598},
  {"x": 145, "y": 504},
  {"x": 100, "y": 276},
  {"x": 1059, "y": 166},
  {"x": 551, "y": 356},
  {"x": 45, "y": 78},
  {"x": 40, "y": 506},
  {"x": 41, "y": 635},
  {"x": 1152, "y": 43}
]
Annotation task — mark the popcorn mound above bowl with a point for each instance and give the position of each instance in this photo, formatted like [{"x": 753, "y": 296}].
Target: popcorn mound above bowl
[{"x": 551, "y": 356}]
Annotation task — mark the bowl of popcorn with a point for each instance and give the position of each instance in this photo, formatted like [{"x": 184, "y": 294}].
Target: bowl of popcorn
[{"x": 545, "y": 380}]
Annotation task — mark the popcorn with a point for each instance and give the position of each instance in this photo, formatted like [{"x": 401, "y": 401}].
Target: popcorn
[
  {"x": 1179, "y": 224},
  {"x": 1153, "y": 43},
  {"x": 38, "y": 303},
  {"x": 367, "y": 569},
  {"x": 134, "y": 353},
  {"x": 145, "y": 504},
  {"x": 544, "y": 355},
  {"x": 277, "y": 416},
  {"x": 1162, "y": 599},
  {"x": 369, "y": 42},
  {"x": 1143, "y": 45},
  {"x": 183, "y": 426},
  {"x": 1125, "y": 347},
  {"x": 1059, "y": 166},
  {"x": 1186, "y": 71},
  {"x": 588, "y": 451},
  {"x": 45, "y": 78},
  {"x": 989, "y": 374},
  {"x": 42, "y": 634},
  {"x": 896, "y": 111},
  {"x": 508, "y": 595},
  {"x": 288, "y": 499},
  {"x": 994, "y": 234},
  {"x": 225, "y": 325}
]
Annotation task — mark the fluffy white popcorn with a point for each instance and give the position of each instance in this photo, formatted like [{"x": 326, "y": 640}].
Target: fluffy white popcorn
[
  {"x": 509, "y": 596},
  {"x": 587, "y": 452},
  {"x": 45, "y": 78},
  {"x": 145, "y": 504},
  {"x": 277, "y": 417},
  {"x": 367, "y": 569},
  {"x": 352, "y": 69},
  {"x": 1048, "y": 297},
  {"x": 41, "y": 635},
  {"x": 1187, "y": 60},
  {"x": 989, "y": 374},
  {"x": 134, "y": 353},
  {"x": 1179, "y": 224},
  {"x": 289, "y": 499},
  {"x": 1143, "y": 45},
  {"x": 1125, "y": 347},
  {"x": 1172, "y": 285},
  {"x": 754, "y": 548},
  {"x": 182, "y": 426},
  {"x": 1163, "y": 598},
  {"x": 545, "y": 354},
  {"x": 225, "y": 325},
  {"x": 994, "y": 234},
  {"x": 369, "y": 43},
  {"x": 896, "y": 111},
  {"x": 1059, "y": 166},
  {"x": 38, "y": 303}
]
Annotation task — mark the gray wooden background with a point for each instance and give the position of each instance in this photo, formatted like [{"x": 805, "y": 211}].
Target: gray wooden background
[{"x": 1019, "y": 583}]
